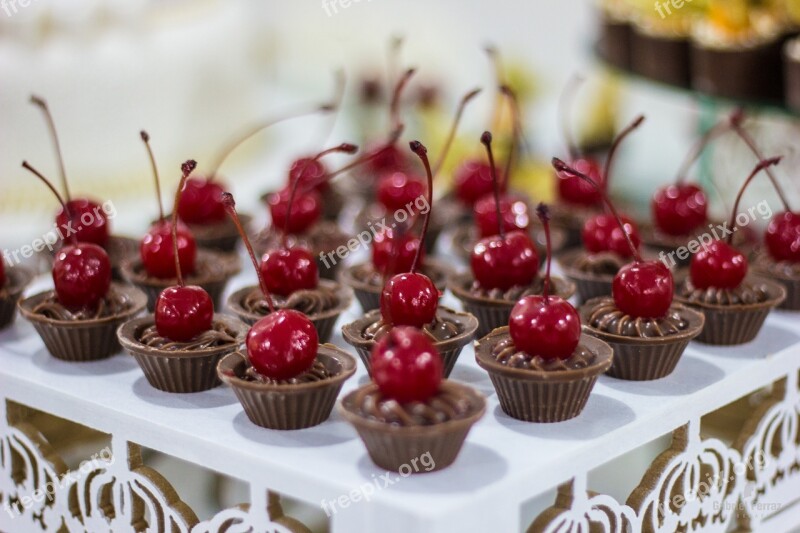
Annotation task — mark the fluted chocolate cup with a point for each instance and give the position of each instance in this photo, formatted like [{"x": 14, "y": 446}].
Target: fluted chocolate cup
[
  {"x": 449, "y": 349},
  {"x": 213, "y": 269},
  {"x": 369, "y": 295},
  {"x": 540, "y": 395},
  {"x": 730, "y": 325},
  {"x": 588, "y": 284},
  {"x": 465, "y": 237},
  {"x": 663, "y": 58},
  {"x": 646, "y": 358},
  {"x": 766, "y": 267},
  {"x": 120, "y": 249},
  {"x": 221, "y": 236},
  {"x": 82, "y": 340},
  {"x": 614, "y": 44},
  {"x": 289, "y": 406},
  {"x": 323, "y": 321},
  {"x": 493, "y": 313},
  {"x": 17, "y": 279},
  {"x": 391, "y": 446}
]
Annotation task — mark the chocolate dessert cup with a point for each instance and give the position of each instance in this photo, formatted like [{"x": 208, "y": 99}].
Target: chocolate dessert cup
[
  {"x": 322, "y": 305},
  {"x": 729, "y": 324},
  {"x": 465, "y": 237},
  {"x": 120, "y": 249},
  {"x": 221, "y": 236},
  {"x": 212, "y": 272},
  {"x": 449, "y": 349},
  {"x": 590, "y": 282},
  {"x": 570, "y": 219},
  {"x": 17, "y": 279},
  {"x": 390, "y": 445},
  {"x": 553, "y": 392},
  {"x": 662, "y": 56},
  {"x": 644, "y": 357},
  {"x": 324, "y": 238},
  {"x": 785, "y": 273},
  {"x": 181, "y": 367},
  {"x": 297, "y": 404},
  {"x": 614, "y": 45},
  {"x": 440, "y": 218},
  {"x": 77, "y": 338},
  {"x": 368, "y": 284},
  {"x": 493, "y": 310}
]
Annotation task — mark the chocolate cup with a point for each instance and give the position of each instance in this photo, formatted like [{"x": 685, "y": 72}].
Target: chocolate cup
[
  {"x": 570, "y": 218},
  {"x": 614, "y": 44},
  {"x": 323, "y": 321},
  {"x": 493, "y": 313},
  {"x": 589, "y": 285},
  {"x": 178, "y": 371},
  {"x": 17, "y": 279},
  {"x": 333, "y": 237},
  {"x": 730, "y": 325},
  {"x": 221, "y": 236},
  {"x": 741, "y": 73},
  {"x": 664, "y": 58},
  {"x": 542, "y": 396},
  {"x": 82, "y": 340},
  {"x": 120, "y": 249},
  {"x": 791, "y": 69},
  {"x": 212, "y": 271},
  {"x": 449, "y": 349},
  {"x": 391, "y": 447},
  {"x": 289, "y": 406},
  {"x": 465, "y": 237},
  {"x": 791, "y": 284},
  {"x": 645, "y": 359},
  {"x": 369, "y": 296}
]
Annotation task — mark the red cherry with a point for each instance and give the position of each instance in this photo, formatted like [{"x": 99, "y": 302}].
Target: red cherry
[
  {"x": 473, "y": 180},
  {"x": 288, "y": 270},
  {"x": 548, "y": 327},
  {"x": 183, "y": 312},
  {"x": 406, "y": 366},
  {"x": 394, "y": 253},
  {"x": 643, "y": 289},
  {"x": 82, "y": 275},
  {"x": 513, "y": 211},
  {"x": 601, "y": 233},
  {"x": 157, "y": 250},
  {"x": 502, "y": 263},
  {"x": 387, "y": 159},
  {"x": 783, "y": 237},
  {"x": 680, "y": 209},
  {"x": 399, "y": 189},
  {"x": 409, "y": 300},
  {"x": 201, "y": 202},
  {"x": 573, "y": 190},
  {"x": 309, "y": 171},
  {"x": 85, "y": 210},
  {"x": 306, "y": 210},
  {"x": 718, "y": 265},
  {"x": 282, "y": 345}
]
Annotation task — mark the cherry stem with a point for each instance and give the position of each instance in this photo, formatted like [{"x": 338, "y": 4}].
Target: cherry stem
[
  {"x": 454, "y": 129},
  {"x": 230, "y": 207},
  {"x": 422, "y": 152},
  {"x": 615, "y": 146},
  {"x": 27, "y": 166},
  {"x": 562, "y": 167},
  {"x": 543, "y": 212},
  {"x": 42, "y": 104},
  {"x": 737, "y": 126},
  {"x": 762, "y": 165},
  {"x": 186, "y": 169},
  {"x": 486, "y": 140},
  {"x": 394, "y": 107},
  {"x": 146, "y": 139},
  {"x": 395, "y": 135},
  {"x": 697, "y": 150},
  {"x": 565, "y": 104},
  {"x": 516, "y": 116}
]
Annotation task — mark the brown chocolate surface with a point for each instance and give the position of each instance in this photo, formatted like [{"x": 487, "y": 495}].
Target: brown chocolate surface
[
  {"x": 605, "y": 316},
  {"x": 782, "y": 269},
  {"x": 446, "y": 405},
  {"x": 513, "y": 294},
  {"x": 308, "y": 302},
  {"x": 317, "y": 372},
  {"x": 746, "y": 293},
  {"x": 323, "y": 236},
  {"x": 218, "y": 335},
  {"x": 112, "y": 304},
  {"x": 507, "y": 354},
  {"x": 603, "y": 263},
  {"x": 366, "y": 273},
  {"x": 441, "y": 329}
]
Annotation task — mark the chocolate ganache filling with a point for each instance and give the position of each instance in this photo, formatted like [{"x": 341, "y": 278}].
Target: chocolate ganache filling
[
  {"x": 605, "y": 316},
  {"x": 444, "y": 406},
  {"x": 507, "y": 354},
  {"x": 219, "y": 335},
  {"x": 308, "y": 302},
  {"x": 602, "y": 264},
  {"x": 782, "y": 269},
  {"x": 746, "y": 293},
  {"x": 317, "y": 372},
  {"x": 514, "y": 293},
  {"x": 112, "y": 304},
  {"x": 441, "y": 329}
]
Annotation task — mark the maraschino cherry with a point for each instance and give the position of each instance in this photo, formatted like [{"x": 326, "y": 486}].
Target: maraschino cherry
[
  {"x": 411, "y": 299},
  {"x": 394, "y": 251},
  {"x": 545, "y": 326},
  {"x": 157, "y": 249},
  {"x": 406, "y": 365},
  {"x": 81, "y": 270},
  {"x": 719, "y": 264},
  {"x": 284, "y": 343},
  {"x": 641, "y": 288},
  {"x": 505, "y": 259},
  {"x": 81, "y": 209},
  {"x": 182, "y": 311}
]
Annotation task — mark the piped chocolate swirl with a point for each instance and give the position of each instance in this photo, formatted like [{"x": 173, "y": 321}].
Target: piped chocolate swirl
[
  {"x": 317, "y": 372},
  {"x": 441, "y": 329},
  {"x": 446, "y": 405},
  {"x": 507, "y": 354},
  {"x": 746, "y": 293},
  {"x": 605, "y": 316},
  {"x": 113, "y": 304},
  {"x": 219, "y": 335},
  {"x": 308, "y": 302},
  {"x": 603, "y": 263}
]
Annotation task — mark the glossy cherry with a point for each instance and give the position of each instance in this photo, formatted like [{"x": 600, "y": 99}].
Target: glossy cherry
[
  {"x": 306, "y": 210},
  {"x": 396, "y": 190},
  {"x": 309, "y": 171},
  {"x": 783, "y": 237},
  {"x": 394, "y": 251},
  {"x": 513, "y": 211},
  {"x": 406, "y": 366},
  {"x": 473, "y": 180},
  {"x": 601, "y": 233},
  {"x": 287, "y": 270},
  {"x": 201, "y": 202},
  {"x": 680, "y": 208}
]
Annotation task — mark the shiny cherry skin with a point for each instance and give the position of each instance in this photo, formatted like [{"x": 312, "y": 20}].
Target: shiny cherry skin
[
  {"x": 499, "y": 263},
  {"x": 409, "y": 300},
  {"x": 81, "y": 275},
  {"x": 783, "y": 237},
  {"x": 288, "y": 270},
  {"x": 308, "y": 171},
  {"x": 718, "y": 265},
  {"x": 390, "y": 159},
  {"x": 574, "y": 190},
  {"x": 306, "y": 210},
  {"x": 473, "y": 180},
  {"x": 549, "y": 328},
  {"x": 643, "y": 289},
  {"x": 396, "y": 190},
  {"x": 406, "y": 366},
  {"x": 513, "y": 211},
  {"x": 282, "y": 345},
  {"x": 601, "y": 233},
  {"x": 158, "y": 253},
  {"x": 201, "y": 202},
  {"x": 680, "y": 209},
  {"x": 85, "y": 211},
  {"x": 390, "y": 257},
  {"x": 183, "y": 313}
]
